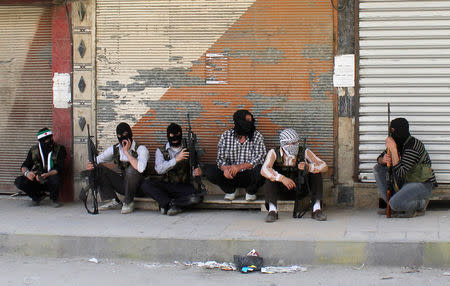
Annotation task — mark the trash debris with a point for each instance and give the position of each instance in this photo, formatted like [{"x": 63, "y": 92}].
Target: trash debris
[
  {"x": 249, "y": 263},
  {"x": 359, "y": 267},
  {"x": 387, "y": 278},
  {"x": 93, "y": 260},
  {"x": 410, "y": 270},
  {"x": 213, "y": 264},
  {"x": 283, "y": 269},
  {"x": 446, "y": 273}
]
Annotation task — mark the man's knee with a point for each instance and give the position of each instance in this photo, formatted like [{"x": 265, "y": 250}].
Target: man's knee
[
  {"x": 379, "y": 169},
  {"x": 211, "y": 172}
]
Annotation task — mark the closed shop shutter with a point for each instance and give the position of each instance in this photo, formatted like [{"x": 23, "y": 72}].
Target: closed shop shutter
[
  {"x": 25, "y": 84},
  {"x": 405, "y": 60},
  {"x": 159, "y": 60}
]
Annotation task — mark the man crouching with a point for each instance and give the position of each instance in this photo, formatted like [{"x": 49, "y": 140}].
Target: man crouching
[
  {"x": 125, "y": 176},
  {"x": 175, "y": 191}
]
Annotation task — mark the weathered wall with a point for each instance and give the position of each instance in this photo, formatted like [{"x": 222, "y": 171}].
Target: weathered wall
[
  {"x": 271, "y": 57},
  {"x": 346, "y": 108},
  {"x": 84, "y": 98}
]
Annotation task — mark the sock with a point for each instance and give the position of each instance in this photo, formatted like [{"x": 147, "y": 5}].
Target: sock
[
  {"x": 272, "y": 207},
  {"x": 316, "y": 205}
]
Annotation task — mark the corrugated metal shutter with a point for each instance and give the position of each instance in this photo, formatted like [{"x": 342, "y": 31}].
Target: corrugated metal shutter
[
  {"x": 158, "y": 60},
  {"x": 25, "y": 84},
  {"x": 405, "y": 60}
]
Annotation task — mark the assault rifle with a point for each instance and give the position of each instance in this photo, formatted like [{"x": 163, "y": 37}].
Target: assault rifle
[
  {"x": 389, "y": 176},
  {"x": 89, "y": 195},
  {"x": 194, "y": 162},
  {"x": 302, "y": 187}
]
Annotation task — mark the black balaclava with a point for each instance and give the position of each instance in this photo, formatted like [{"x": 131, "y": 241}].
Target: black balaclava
[
  {"x": 175, "y": 129},
  {"x": 46, "y": 142},
  {"x": 400, "y": 133},
  {"x": 243, "y": 127},
  {"x": 120, "y": 129}
]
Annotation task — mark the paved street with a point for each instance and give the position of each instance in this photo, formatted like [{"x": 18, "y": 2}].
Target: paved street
[{"x": 16, "y": 270}]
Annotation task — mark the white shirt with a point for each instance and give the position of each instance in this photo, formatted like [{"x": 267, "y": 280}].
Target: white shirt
[
  {"x": 142, "y": 151},
  {"x": 162, "y": 165}
]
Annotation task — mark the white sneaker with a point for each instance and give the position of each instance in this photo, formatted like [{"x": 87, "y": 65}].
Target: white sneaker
[
  {"x": 249, "y": 197},
  {"x": 112, "y": 205},
  {"x": 230, "y": 197},
  {"x": 127, "y": 208}
]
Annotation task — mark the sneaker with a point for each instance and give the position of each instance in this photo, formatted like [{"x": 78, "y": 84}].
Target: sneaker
[
  {"x": 174, "y": 210},
  {"x": 112, "y": 205},
  {"x": 127, "y": 208},
  {"x": 271, "y": 216},
  {"x": 163, "y": 210},
  {"x": 249, "y": 197},
  {"x": 230, "y": 197},
  {"x": 319, "y": 215}
]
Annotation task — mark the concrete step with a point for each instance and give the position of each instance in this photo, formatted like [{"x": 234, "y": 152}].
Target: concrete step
[{"x": 217, "y": 202}]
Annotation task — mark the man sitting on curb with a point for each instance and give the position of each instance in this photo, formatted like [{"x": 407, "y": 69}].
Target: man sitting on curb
[
  {"x": 240, "y": 154},
  {"x": 175, "y": 191},
  {"x": 126, "y": 175},
  {"x": 413, "y": 176},
  {"x": 281, "y": 169},
  {"x": 42, "y": 169}
]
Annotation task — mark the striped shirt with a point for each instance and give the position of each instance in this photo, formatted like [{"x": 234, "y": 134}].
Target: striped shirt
[
  {"x": 413, "y": 151},
  {"x": 232, "y": 152}
]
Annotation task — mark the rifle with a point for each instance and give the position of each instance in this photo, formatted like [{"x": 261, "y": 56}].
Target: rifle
[
  {"x": 194, "y": 161},
  {"x": 389, "y": 179},
  {"x": 89, "y": 195},
  {"x": 301, "y": 188}
]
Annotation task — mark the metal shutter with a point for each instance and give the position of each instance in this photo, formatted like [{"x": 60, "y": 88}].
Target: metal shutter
[
  {"x": 158, "y": 60},
  {"x": 25, "y": 84},
  {"x": 405, "y": 60}
]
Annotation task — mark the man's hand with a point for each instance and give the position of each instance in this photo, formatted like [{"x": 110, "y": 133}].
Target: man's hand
[
  {"x": 89, "y": 166},
  {"x": 234, "y": 169},
  {"x": 183, "y": 155},
  {"x": 288, "y": 183},
  {"x": 197, "y": 172},
  {"x": 126, "y": 145},
  {"x": 302, "y": 165},
  {"x": 31, "y": 176},
  {"x": 385, "y": 159},
  {"x": 390, "y": 144},
  {"x": 227, "y": 172}
]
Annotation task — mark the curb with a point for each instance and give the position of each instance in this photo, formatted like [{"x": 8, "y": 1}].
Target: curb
[{"x": 274, "y": 252}]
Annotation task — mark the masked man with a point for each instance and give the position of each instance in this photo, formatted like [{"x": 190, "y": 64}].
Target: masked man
[
  {"x": 240, "y": 155},
  {"x": 413, "y": 176},
  {"x": 42, "y": 169},
  {"x": 281, "y": 169},
  {"x": 125, "y": 175},
  {"x": 175, "y": 191}
]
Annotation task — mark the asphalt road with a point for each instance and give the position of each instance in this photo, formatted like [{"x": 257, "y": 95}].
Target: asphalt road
[{"x": 19, "y": 270}]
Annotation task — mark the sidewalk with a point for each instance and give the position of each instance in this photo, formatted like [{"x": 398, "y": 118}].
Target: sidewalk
[{"x": 348, "y": 237}]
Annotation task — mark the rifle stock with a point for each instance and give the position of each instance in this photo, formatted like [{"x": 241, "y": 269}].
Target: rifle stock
[
  {"x": 194, "y": 161},
  {"x": 301, "y": 183},
  {"x": 92, "y": 191}
]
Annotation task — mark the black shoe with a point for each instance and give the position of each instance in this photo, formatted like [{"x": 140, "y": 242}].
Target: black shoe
[
  {"x": 195, "y": 199},
  {"x": 35, "y": 203},
  {"x": 56, "y": 204},
  {"x": 174, "y": 210},
  {"x": 271, "y": 216},
  {"x": 319, "y": 215}
]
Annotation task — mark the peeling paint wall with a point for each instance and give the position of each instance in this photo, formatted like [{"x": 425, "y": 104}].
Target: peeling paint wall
[{"x": 159, "y": 61}]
